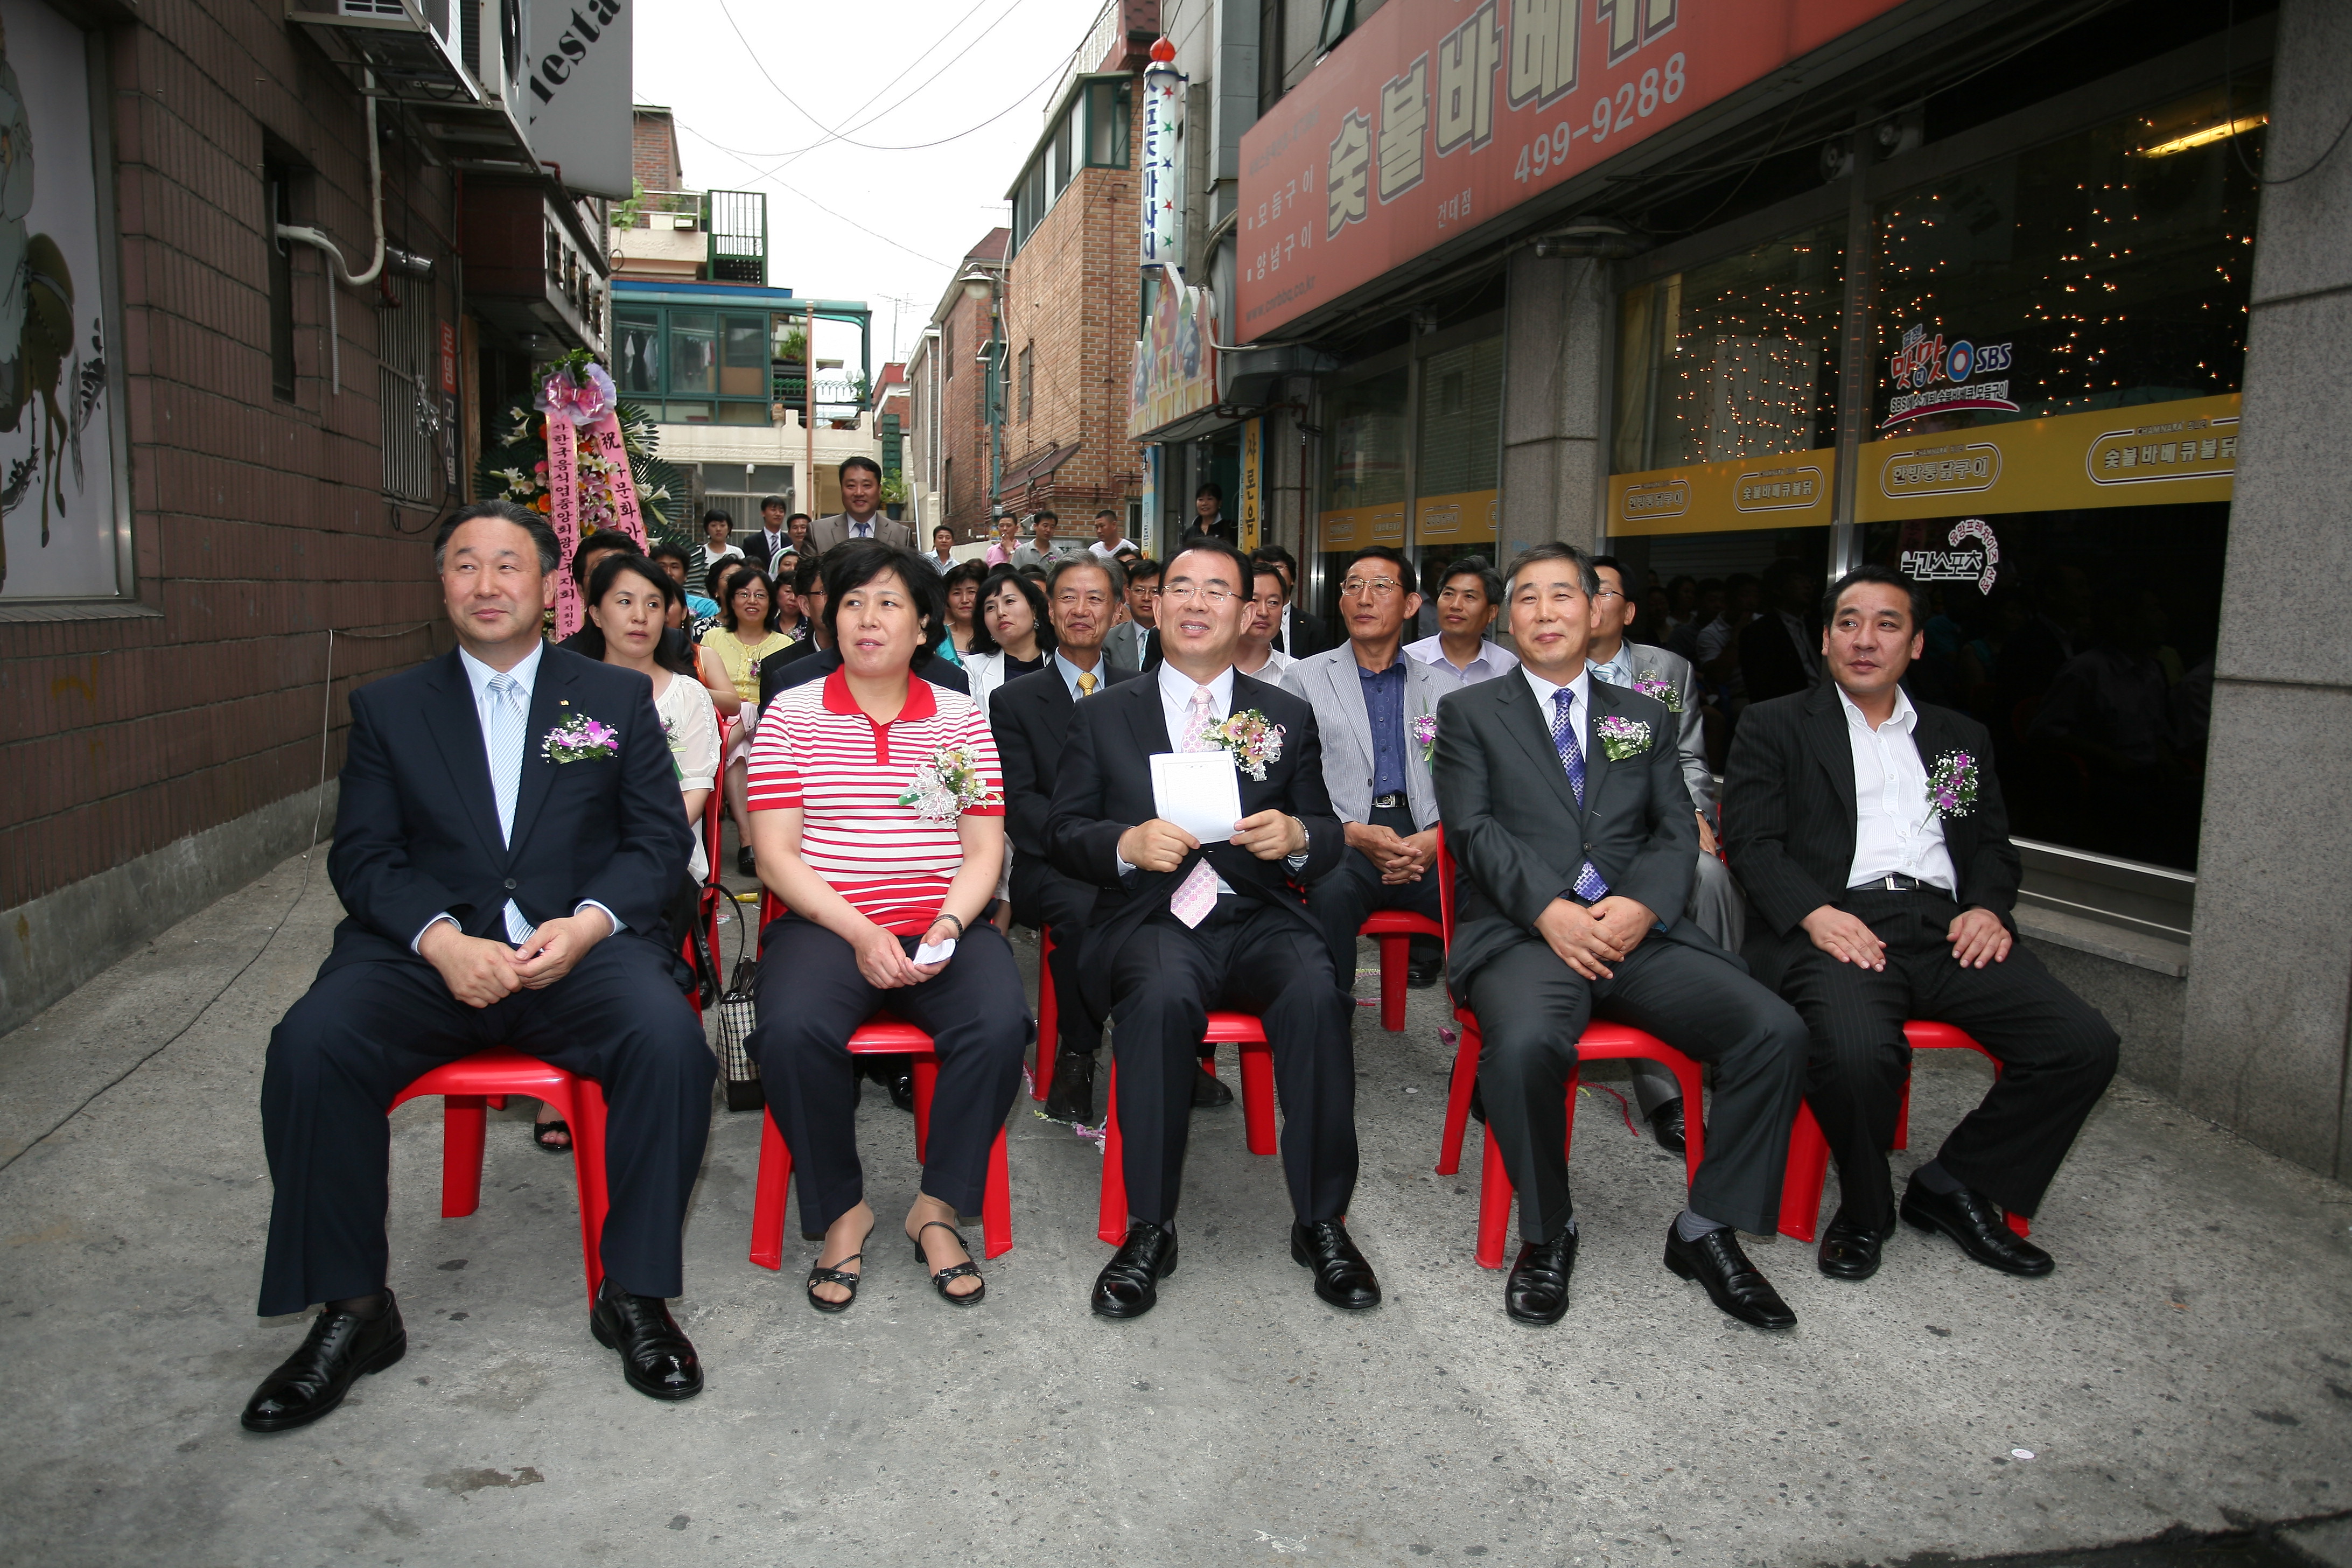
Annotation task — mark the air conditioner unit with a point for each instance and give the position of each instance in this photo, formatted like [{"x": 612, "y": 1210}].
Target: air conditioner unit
[{"x": 493, "y": 48}]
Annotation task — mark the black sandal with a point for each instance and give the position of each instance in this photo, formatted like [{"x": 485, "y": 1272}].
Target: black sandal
[
  {"x": 820, "y": 1275},
  {"x": 952, "y": 1271},
  {"x": 540, "y": 1130}
]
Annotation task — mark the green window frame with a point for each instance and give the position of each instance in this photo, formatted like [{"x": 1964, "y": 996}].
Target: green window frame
[{"x": 695, "y": 365}]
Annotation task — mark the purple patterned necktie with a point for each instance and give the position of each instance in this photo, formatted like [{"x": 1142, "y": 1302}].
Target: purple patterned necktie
[
  {"x": 1197, "y": 896},
  {"x": 1589, "y": 884}
]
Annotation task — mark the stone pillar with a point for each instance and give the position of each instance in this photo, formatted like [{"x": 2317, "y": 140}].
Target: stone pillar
[
  {"x": 1555, "y": 453},
  {"x": 2270, "y": 974}
]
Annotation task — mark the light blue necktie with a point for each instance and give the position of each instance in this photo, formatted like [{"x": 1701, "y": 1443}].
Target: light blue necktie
[
  {"x": 507, "y": 720},
  {"x": 1589, "y": 884}
]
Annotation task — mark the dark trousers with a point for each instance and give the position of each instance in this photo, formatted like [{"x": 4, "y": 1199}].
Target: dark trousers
[
  {"x": 2056, "y": 1054},
  {"x": 367, "y": 1030},
  {"x": 811, "y": 996},
  {"x": 1248, "y": 957},
  {"x": 1042, "y": 899},
  {"x": 1531, "y": 1008},
  {"x": 1339, "y": 900}
]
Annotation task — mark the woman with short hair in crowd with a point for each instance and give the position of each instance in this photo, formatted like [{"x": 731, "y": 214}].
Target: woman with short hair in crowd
[
  {"x": 961, "y": 585},
  {"x": 877, "y": 809},
  {"x": 1011, "y": 635}
]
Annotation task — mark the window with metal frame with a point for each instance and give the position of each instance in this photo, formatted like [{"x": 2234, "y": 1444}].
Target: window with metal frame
[{"x": 408, "y": 396}]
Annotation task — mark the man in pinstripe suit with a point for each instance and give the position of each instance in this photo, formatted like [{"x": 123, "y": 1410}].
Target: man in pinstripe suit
[{"x": 1870, "y": 836}]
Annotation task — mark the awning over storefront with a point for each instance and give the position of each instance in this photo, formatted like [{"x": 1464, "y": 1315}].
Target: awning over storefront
[{"x": 1033, "y": 469}]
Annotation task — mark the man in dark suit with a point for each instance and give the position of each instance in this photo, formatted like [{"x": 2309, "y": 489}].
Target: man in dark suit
[
  {"x": 1776, "y": 648},
  {"x": 861, "y": 515},
  {"x": 509, "y": 829},
  {"x": 1870, "y": 836},
  {"x": 1566, "y": 812},
  {"x": 1031, "y": 717},
  {"x": 1180, "y": 927},
  {"x": 1296, "y": 634},
  {"x": 771, "y": 538}
]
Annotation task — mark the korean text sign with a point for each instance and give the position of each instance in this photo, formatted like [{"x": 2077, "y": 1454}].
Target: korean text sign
[{"x": 1436, "y": 116}]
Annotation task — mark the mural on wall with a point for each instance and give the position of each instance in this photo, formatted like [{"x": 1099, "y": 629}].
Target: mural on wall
[{"x": 56, "y": 474}]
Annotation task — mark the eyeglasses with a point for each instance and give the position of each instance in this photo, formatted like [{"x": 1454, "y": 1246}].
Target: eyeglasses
[
  {"x": 1212, "y": 594},
  {"x": 1372, "y": 587},
  {"x": 1608, "y": 594}
]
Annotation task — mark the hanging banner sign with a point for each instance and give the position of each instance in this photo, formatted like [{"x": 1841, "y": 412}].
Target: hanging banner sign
[
  {"x": 2149, "y": 454},
  {"x": 1436, "y": 116},
  {"x": 1791, "y": 491},
  {"x": 589, "y": 486},
  {"x": 564, "y": 513},
  {"x": 1175, "y": 369},
  {"x": 1162, "y": 204},
  {"x": 1253, "y": 482}
]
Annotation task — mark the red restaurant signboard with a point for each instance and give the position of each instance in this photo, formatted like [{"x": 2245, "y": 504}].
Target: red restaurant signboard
[{"x": 1436, "y": 116}]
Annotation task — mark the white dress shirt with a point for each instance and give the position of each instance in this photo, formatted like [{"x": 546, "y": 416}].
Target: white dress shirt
[
  {"x": 1893, "y": 832},
  {"x": 1176, "y": 690},
  {"x": 777, "y": 541},
  {"x": 525, "y": 675},
  {"x": 1276, "y": 661},
  {"x": 851, "y": 526},
  {"x": 1493, "y": 659},
  {"x": 1580, "y": 706}
]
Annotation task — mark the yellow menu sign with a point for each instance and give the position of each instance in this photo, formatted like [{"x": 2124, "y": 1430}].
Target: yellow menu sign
[
  {"x": 1357, "y": 526},
  {"x": 2152, "y": 454},
  {"x": 1791, "y": 491},
  {"x": 1467, "y": 517}
]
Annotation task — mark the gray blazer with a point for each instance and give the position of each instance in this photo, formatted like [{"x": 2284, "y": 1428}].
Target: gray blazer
[
  {"x": 1329, "y": 682},
  {"x": 1652, "y": 663},
  {"x": 1517, "y": 834},
  {"x": 1123, "y": 642},
  {"x": 827, "y": 531}
]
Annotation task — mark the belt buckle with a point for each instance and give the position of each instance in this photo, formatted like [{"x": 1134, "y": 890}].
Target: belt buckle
[{"x": 1894, "y": 883}]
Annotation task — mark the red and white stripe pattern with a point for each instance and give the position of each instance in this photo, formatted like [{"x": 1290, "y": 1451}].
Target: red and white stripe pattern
[{"x": 817, "y": 753}]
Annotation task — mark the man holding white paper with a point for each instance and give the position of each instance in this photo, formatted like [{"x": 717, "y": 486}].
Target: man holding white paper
[{"x": 1190, "y": 921}]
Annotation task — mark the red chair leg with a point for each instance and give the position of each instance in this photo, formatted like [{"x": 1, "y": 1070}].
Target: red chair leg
[
  {"x": 1457, "y": 1103},
  {"x": 1049, "y": 1020},
  {"x": 996, "y": 1203},
  {"x": 1808, "y": 1173},
  {"x": 1110, "y": 1218},
  {"x": 926, "y": 1083},
  {"x": 1568, "y": 1128},
  {"x": 461, "y": 1154},
  {"x": 1394, "y": 952},
  {"x": 1494, "y": 1207},
  {"x": 1694, "y": 1119},
  {"x": 587, "y": 1115},
  {"x": 775, "y": 1179},
  {"x": 1257, "y": 1096},
  {"x": 1903, "y": 1119}
]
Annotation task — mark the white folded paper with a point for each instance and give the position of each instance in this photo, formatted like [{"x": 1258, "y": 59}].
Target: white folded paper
[
  {"x": 926, "y": 953},
  {"x": 1200, "y": 792}
]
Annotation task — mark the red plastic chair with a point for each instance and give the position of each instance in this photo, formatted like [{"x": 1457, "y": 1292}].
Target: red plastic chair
[
  {"x": 1809, "y": 1152},
  {"x": 1049, "y": 1019},
  {"x": 1394, "y": 931},
  {"x": 470, "y": 1085},
  {"x": 879, "y": 1036},
  {"x": 1600, "y": 1041},
  {"x": 1242, "y": 1029}
]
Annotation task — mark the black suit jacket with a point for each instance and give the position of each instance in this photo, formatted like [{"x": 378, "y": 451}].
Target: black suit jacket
[
  {"x": 416, "y": 826},
  {"x": 1031, "y": 718},
  {"x": 779, "y": 672},
  {"x": 1104, "y": 787},
  {"x": 1518, "y": 836},
  {"x": 1769, "y": 659},
  {"x": 755, "y": 549},
  {"x": 1788, "y": 816},
  {"x": 1307, "y": 634}
]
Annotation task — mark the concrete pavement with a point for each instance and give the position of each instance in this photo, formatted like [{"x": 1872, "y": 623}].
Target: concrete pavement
[{"x": 2190, "y": 1364}]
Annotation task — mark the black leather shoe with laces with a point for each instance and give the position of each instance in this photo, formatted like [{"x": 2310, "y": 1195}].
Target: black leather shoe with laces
[
  {"x": 1733, "y": 1283},
  {"x": 1977, "y": 1223},
  {"x": 1536, "y": 1291},
  {"x": 1209, "y": 1090},
  {"x": 1128, "y": 1285},
  {"x": 655, "y": 1358},
  {"x": 1342, "y": 1277},
  {"x": 1666, "y": 1127},
  {"x": 1071, "y": 1098},
  {"x": 1849, "y": 1249},
  {"x": 339, "y": 1349}
]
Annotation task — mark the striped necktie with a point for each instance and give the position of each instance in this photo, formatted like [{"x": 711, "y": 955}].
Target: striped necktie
[
  {"x": 507, "y": 720},
  {"x": 1589, "y": 884},
  {"x": 1193, "y": 901}
]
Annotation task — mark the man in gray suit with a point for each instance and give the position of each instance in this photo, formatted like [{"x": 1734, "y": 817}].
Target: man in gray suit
[
  {"x": 1566, "y": 813},
  {"x": 1715, "y": 903},
  {"x": 1367, "y": 697},
  {"x": 1131, "y": 642},
  {"x": 861, "y": 517}
]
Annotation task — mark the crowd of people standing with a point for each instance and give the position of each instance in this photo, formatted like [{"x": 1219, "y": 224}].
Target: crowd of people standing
[{"x": 922, "y": 752}]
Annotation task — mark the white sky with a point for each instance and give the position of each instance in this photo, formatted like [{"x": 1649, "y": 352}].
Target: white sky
[{"x": 861, "y": 67}]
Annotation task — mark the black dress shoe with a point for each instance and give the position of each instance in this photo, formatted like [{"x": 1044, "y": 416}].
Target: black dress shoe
[
  {"x": 1536, "y": 1291},
  {"x": 1419, "y": 974},
  {"x": 1849, "y": 1249},
  {"x": 1128, "y": 1285},
  {"x": 1666, "y": 1127},
  {"x": 1209, "y": 1091},
  {"x": 744, "y": 864},
  {"x": 1977, "y": 1223},
  {"x": 654, "y": 1355},
  {"x": 1477, "y": 1103},
  {"x": 1716, "y": 1262},
  {"x": 1071, "y": 1097},
  {"x": 897, "y": 1074},
  {"x": 1342, "y": 1277},
  {"x": 313, "y": 1380}
]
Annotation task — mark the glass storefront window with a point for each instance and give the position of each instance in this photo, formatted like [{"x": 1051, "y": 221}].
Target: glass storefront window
[
  {"x": 2106, "y": 270},
  {"x": 1733, "y": 359},
  {"x": 1456, "y": 500},
  {"x": 1365, "y": 454}
]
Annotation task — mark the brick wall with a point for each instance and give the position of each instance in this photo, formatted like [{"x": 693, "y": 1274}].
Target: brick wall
[
  {"x": 1072, "y": 301},
  {"x": 963, "y": 424},
  {"x": 653, "y": 149},
  {"x": 257, "y": 524}
]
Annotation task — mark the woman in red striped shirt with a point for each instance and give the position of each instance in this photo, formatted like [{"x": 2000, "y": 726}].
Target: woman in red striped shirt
[{"x": 877, "y": 816}]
